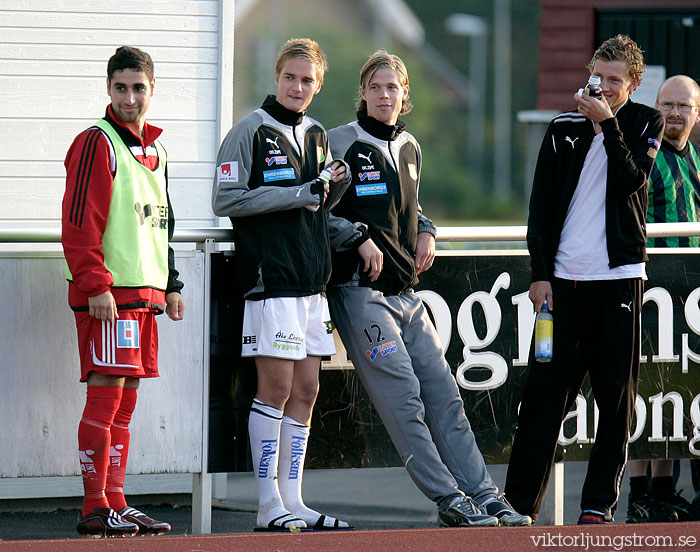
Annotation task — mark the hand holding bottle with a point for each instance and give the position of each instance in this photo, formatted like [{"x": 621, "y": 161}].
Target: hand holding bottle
[
  {"x": 593, "y": 88},
  {"x": 321, "y": 187}
]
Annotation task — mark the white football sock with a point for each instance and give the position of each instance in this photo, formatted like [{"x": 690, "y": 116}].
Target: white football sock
[
  {"x": 264, "y": 433},
  {"x": 294, "y": 438}
]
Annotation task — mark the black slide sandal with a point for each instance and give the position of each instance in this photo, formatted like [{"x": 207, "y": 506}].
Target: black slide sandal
[
  {"x": 283, "y": 524},
  {"x": 324, "y": 523}
]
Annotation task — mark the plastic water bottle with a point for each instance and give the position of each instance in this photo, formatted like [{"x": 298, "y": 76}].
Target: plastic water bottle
[
  {"x": 327, "y": 173},
  {"x": 544, "y": 327},
  {"x": 594, "y": 88}
]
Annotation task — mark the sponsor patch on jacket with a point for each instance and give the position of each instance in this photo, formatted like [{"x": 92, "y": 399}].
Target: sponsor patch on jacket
[
  {"x": 127, "y": 334},
  {"x": 370, "y": 175},
  {"x": 412, "y": 171},
  {"x": 370, "y": 189},
  {"x": 278, "y": 174},
  {"x": 276, "y": 159},
  {"x": 320, "y": 154},
  {"x": 157, "y": 213},
  {"x": 382, "y": 350},
  {"x": 227, "y": 172},
  {"x": 654, "y": 147}
]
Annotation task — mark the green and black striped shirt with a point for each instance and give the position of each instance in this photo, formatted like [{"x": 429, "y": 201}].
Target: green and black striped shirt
[{"x": 674, "y": 192}]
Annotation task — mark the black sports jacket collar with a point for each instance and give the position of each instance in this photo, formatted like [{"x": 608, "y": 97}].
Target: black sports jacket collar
[
  {"x": 281, "y": 113},
  {"x": 379, "y": 129}
]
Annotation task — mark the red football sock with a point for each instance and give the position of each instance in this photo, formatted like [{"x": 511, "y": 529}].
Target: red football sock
[
  {"x": 119, "y": 450},
  {"x": 93, "y": 443}
]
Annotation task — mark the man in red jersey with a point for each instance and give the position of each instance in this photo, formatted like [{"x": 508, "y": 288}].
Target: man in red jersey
[{"x": 116, "y": 225}]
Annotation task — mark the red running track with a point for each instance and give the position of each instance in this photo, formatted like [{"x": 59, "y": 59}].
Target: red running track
[{"x": 651, "y": 537}]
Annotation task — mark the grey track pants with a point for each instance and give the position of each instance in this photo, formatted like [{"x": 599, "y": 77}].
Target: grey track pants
[{"x": 398, "y": 357}]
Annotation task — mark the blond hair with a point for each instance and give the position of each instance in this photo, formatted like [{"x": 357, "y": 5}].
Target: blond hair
[
  {"x": 303, "y": 48},
  {"x": 382, "y": 60}
]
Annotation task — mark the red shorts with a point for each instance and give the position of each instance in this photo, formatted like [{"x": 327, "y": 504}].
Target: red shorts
[{"x": 126, "y": 346}]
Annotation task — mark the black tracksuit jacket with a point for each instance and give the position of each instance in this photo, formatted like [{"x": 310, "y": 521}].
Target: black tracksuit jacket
[
  {"x": 631, "y": 141},
  {"x": 381, "y": 203},
  {"x": 266, "y": 166}
]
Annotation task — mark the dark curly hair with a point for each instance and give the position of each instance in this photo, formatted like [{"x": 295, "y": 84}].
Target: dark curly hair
[{"x": 128, "y": 57}]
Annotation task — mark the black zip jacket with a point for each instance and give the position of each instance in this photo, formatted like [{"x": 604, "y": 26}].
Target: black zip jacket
[
  {"x": 381, "y": 203},
  {"x": 266, "y": 167},
  {"x": 631, "y": 140}
]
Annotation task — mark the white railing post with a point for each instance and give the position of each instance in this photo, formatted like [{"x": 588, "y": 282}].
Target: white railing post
[
  {"x": 552, "y": 511},
  {"x": 201, "y": 482},
  {"x": 558, "y": 493}
]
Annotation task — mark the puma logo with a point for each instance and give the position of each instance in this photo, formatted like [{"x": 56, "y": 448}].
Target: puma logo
[
  {"x": 628, "y": 307},
  {"x": 366, "y": 156},
  {"x": 273, "y": 142},
  {"x": 568, "y": 139}
]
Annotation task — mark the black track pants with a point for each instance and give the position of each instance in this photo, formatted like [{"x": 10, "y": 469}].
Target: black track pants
[{"x": 596, "y": 330}]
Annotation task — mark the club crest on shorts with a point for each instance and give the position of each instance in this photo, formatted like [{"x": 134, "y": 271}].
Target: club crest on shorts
[{"x": 127, "y": 334}]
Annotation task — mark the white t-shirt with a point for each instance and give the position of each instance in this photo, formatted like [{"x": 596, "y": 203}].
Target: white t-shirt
[{"x": 583, "y": 247}]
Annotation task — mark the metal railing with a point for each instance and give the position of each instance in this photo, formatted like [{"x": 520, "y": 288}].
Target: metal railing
[
  {"x": 444, "y": 233},
  {"x": 205, "y": 239},
  {"x": 53, "y": 235}
]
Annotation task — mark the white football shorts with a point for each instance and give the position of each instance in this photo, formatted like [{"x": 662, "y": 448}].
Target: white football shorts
[{"x": 287, "y": 327}]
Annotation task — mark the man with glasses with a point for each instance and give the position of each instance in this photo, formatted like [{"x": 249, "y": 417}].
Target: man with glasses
[
  {"x": 674, "y": 187},
  {"x": 674, "y": 196}
]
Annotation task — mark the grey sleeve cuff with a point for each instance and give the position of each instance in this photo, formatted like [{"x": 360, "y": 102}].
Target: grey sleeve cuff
[
  {"x": 346, "y": 235},
  {"x": 426, "y": 225}
]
